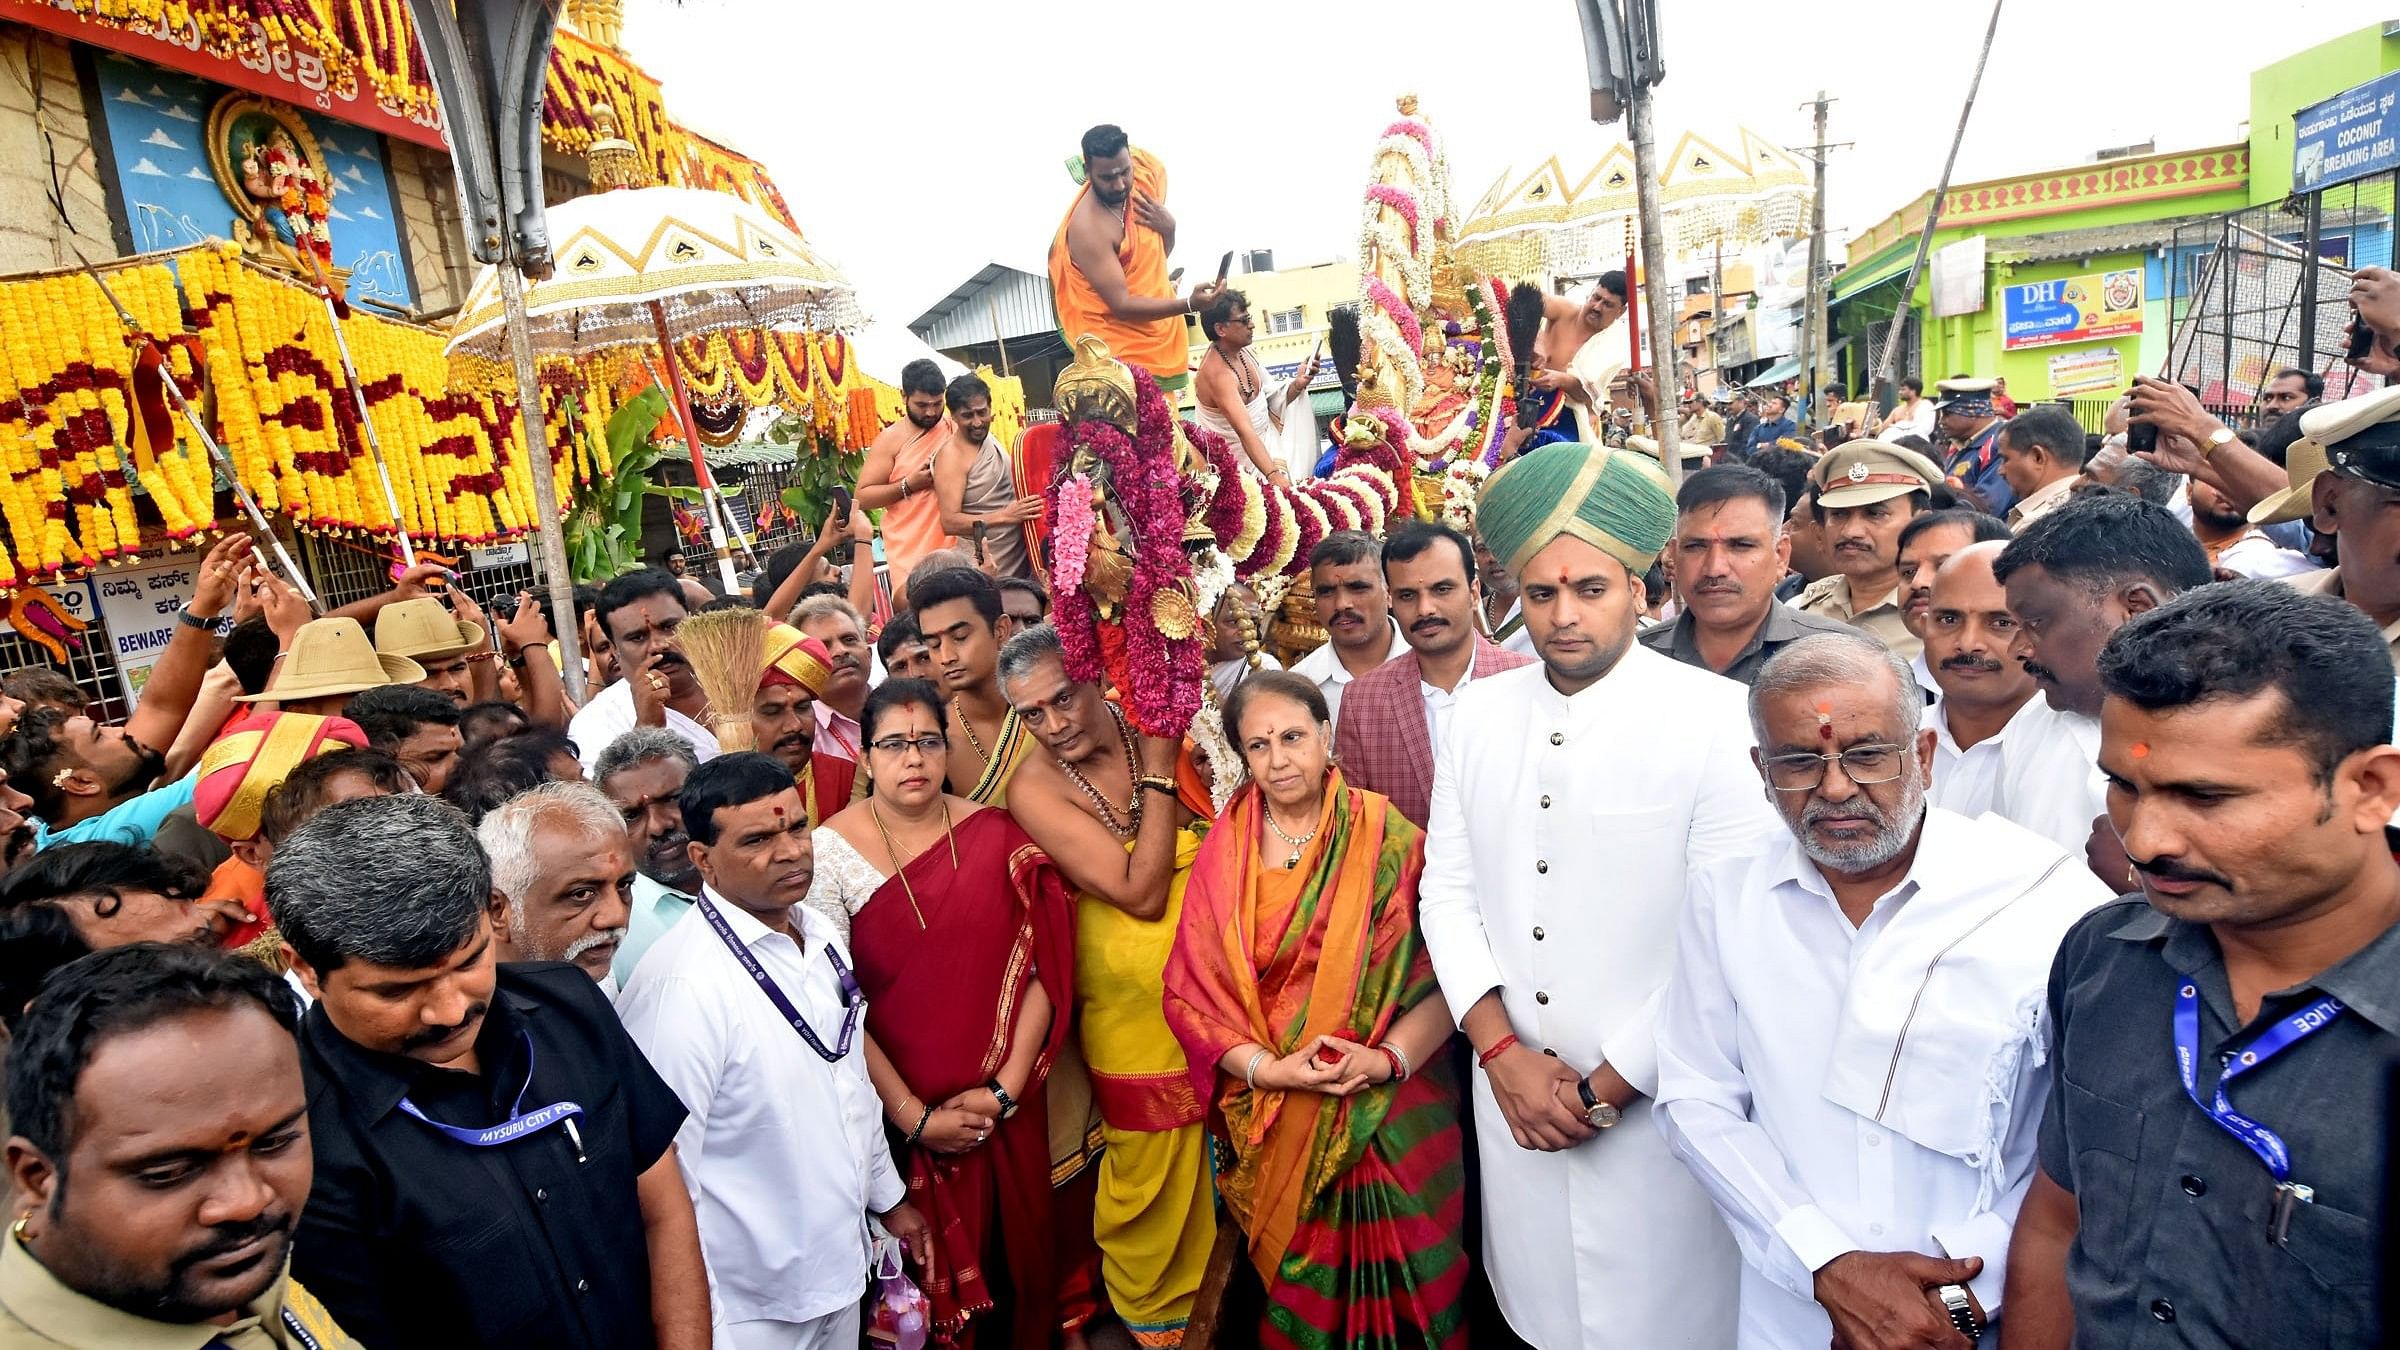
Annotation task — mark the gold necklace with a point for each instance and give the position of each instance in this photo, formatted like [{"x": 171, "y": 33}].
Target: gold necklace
[
  {"x": 900, "y": 868},
  {"x": 1298, "y": 844},
  {"x": 967, "y": 725},
  {"x": 1133, "y": 774}
]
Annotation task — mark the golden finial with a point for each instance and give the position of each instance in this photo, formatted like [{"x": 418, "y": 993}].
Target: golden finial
[
  {"x": 1096, "y": 385},
  {"x": 1408, "y": 105},
  {"x": 613, "y": 161}
]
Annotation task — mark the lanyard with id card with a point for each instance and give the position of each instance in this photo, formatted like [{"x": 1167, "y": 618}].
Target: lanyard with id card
[{"x": 2268, "y": 1145}]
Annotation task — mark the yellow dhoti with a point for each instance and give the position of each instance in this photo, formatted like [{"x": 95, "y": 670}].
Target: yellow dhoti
[{"x": 1155, "y": 1216}]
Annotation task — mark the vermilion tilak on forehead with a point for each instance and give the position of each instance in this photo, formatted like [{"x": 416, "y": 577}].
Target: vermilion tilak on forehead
[
  {"x": 1825, "y": 721},
  {"x": 2141, "y": 750}
]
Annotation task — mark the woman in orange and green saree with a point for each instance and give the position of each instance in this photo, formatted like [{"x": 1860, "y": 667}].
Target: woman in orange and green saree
[{"x": 1307, "y": 1008}]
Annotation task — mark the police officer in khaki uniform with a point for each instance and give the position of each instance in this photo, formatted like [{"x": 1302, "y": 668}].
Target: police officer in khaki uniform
[{"x": 1865, "y": 494}]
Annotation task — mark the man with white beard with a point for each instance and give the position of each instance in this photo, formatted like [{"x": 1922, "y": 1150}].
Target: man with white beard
[
  {"x": 562, "y": 877},
  {"x": 1851, "y": 1048}
]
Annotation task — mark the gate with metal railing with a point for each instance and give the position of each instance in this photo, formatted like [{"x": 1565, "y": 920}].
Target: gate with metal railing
[{"x": 2266, "y": 289}]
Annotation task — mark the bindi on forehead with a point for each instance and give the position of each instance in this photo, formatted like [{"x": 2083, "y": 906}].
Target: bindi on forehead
[{"x": 1825, "y": 721}]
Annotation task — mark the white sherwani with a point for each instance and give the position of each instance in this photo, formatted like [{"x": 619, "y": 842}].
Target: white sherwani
[{"x": 1562, "y": 831}]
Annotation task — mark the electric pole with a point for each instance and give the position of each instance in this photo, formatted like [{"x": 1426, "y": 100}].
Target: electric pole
[
  {"x": 1812, "y": 323},
  {"x": 1621, "y": 56}
]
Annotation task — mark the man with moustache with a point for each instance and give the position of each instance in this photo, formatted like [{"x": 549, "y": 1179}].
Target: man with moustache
[
  {"x": 1731, "y": 550},
  {"x": 1845, "y": 1059},
  {"x": 1395, "y": 717},
  {"x": 958, "y": 611},
  {"x": 901, "y": 648},
  {"x": 1926, "y": 542},
  {"x": 638, "y": 613},
  {"x": 643, "y": 772},
  {"x": 834, "y": 624},
  {"x": 562, "y": 878},
  {"x": 2041, "y": 459},
  {"x": 2215, "y": 1154},
  {"x": 896, "y": 477},
  {"x": 976, "y": 487},
  {"x": 1988, "y": 706},
  {"x": 1866, "y": 492},
  {"x": 1610, "y": 766},
  {"x": 495, "y": 1159},
  {"x": 1152, "y": 1213},
  {"x": 2073, "y": 578},
  {"x": 749, "y": 1013},
  {"x": 1345, "y": 574},
  {"x": 190, "y": 1170}
]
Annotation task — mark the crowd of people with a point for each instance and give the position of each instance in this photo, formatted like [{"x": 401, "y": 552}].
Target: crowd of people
[{"x": 1827, "y": 901}]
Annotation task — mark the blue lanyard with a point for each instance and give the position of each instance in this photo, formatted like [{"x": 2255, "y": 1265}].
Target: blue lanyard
[
  {"x": 520, "y": 1122},
  {"x": 853, "y": 998},
  {"x": 2276, "y": 1039}
]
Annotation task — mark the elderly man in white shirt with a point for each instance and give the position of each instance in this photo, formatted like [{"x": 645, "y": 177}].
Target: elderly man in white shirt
[
  {"x": 1345, "y": 574},
  {"x": 749, "y": 1012},
  {"x": 1570, "y": 800},
  {"x": 1851, "y": 1049}
]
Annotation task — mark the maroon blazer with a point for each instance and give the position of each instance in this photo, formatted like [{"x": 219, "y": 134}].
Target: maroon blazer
[{"x": 1381, "y": 735}]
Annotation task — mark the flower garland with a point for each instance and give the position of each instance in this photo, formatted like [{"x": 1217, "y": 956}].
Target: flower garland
[
  {"x": 1245, "y": 538},
  {"x": 1071, "y": 525},
  {"x": 1313, "y": 526},
  {"x": 1489, "y": 298},
  {"x": 1278, "y": 536},
  {"x": 1162, "y": 668}
]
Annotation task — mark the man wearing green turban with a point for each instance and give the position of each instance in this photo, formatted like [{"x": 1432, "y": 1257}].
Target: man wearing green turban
[{"x": 1570, "y": 799}]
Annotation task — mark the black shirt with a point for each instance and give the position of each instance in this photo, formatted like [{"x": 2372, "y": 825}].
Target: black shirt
[
  {"x": 2173, "y": 1247},
  {"x": 415, "y": 1240},
  {"x": 1782, "y": 627}
]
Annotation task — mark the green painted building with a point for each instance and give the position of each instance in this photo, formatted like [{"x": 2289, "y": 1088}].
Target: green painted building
[{"x": 2064, "y": 281}]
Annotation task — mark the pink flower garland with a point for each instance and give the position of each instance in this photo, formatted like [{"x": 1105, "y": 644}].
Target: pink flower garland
[
  {"x": 1399, "y": 313},
  {"x": 1399, "y": 201},
  {"x": 1417, "y": 131},
  {"x": 1072, "y": 522}
]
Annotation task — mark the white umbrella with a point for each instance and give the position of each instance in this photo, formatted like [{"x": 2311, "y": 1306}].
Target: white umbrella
[{"x": 642, "y": 267}]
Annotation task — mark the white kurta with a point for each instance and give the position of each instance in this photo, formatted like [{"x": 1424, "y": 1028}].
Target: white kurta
[
  {"x": 1562, "y": 831},
  {"x": 784, "y": 1153},
  {"x": 1324, "y": 665},
  {"x": 1877, "y": 1087}
]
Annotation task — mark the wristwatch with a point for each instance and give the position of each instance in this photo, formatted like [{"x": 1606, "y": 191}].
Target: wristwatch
[
  {"x": 1596, "y": 1113},
  {"x": 1008, "y": 1104},
  {"x": 1961, "y": 1309},
  {"x": 2217, "y": 440}
]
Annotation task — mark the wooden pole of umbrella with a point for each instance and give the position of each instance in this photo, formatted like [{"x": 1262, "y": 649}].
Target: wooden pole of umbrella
[{"x": 682, "y": 399}]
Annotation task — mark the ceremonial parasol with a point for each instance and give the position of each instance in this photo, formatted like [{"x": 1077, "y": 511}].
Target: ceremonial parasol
[
  {"x": 647, "y": 266},
  {"x": 1560, "y": 220}
]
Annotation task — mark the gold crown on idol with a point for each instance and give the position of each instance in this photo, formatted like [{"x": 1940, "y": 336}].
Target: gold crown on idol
[{"x": 1096, "y": 386}]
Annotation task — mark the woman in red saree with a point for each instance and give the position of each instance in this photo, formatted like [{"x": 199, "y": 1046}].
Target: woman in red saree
[
  {"x": 965, "y": 953},
  {"x": 1307, "y": 1007}
]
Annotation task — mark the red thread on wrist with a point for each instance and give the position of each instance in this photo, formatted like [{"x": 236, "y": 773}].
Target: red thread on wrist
[{"x": 1499, "y": 1047}]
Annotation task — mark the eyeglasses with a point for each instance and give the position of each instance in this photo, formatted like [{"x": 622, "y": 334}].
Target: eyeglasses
[
  {"x": 901, "y": 745},
  {"x": 1861, "y": 764}
]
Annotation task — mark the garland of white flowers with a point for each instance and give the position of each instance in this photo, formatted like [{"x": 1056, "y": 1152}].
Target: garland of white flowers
[{"x": 1384, "y": 335}]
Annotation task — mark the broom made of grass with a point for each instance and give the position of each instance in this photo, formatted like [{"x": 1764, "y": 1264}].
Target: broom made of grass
[{"x": 727, "y": 649}]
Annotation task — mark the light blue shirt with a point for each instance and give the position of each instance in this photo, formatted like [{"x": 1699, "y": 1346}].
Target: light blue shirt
[
  {"x": 655, "y": 910},
  {"x": 133, "y": 822}
]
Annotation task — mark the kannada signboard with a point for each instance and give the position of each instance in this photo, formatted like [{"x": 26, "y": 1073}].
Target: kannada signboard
[
  {"x": 2071, "y": 309},
  {"x": 2348, "y": 136},
  {"x": 139, "y": 605},
  {"x": 2094, "y": 370}
]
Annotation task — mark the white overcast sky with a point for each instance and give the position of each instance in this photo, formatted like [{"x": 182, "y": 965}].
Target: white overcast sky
[{"x": 917, "y": 140}]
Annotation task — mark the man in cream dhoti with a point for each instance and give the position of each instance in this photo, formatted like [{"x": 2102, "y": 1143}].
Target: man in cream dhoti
[
  {"x": 1570, "y": 799},
  {"x": 1850, "y": 1054},
  {"x": 1236, "y": 400},
  {"x": 1571, "y": 359}
]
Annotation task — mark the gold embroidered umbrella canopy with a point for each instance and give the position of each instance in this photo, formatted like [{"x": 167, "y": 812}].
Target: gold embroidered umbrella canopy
[{"x": 649, "y": 266}]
